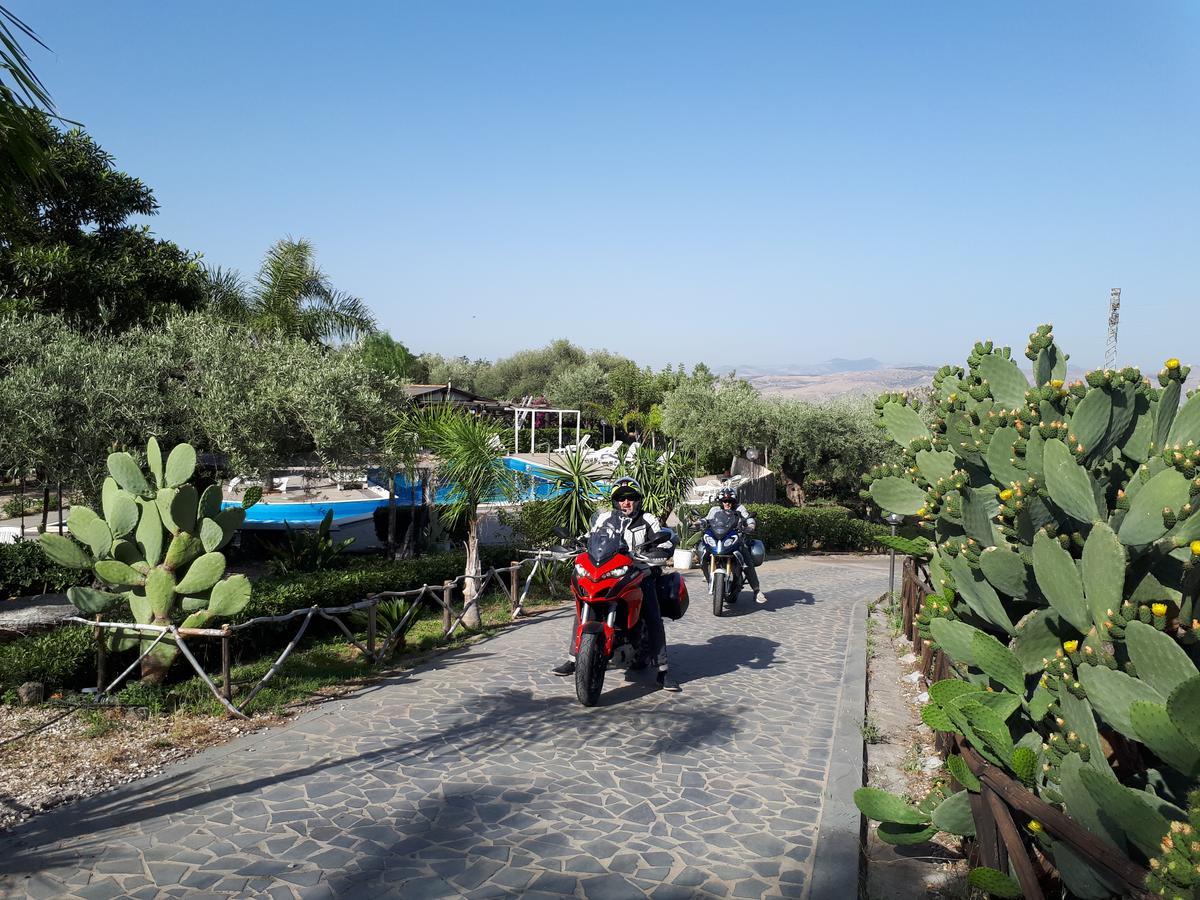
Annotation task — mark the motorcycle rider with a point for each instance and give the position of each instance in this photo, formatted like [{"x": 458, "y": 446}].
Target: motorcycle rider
[
  {"x": 634, "y": 524},
  {"x": 727, "y": 500}
]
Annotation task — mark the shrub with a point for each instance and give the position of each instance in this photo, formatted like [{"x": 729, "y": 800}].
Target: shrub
[
  {"x": 24, "y": 569},
  {"x": 813, "y": 528},
  {"x": 65, "y": 657},
  {"x": 12, "y": 507}
]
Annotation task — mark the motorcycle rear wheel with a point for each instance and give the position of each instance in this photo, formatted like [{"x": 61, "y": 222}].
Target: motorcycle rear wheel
[
  {"x": 718, "y": 594},
  {"x": 590, "y": 665}
]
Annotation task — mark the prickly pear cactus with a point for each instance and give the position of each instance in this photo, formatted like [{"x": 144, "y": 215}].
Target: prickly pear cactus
[
  {"x": 1175, "y": 871},
  {"x": 157, "y": 545},
  {"x": 1063, "y": 538}
]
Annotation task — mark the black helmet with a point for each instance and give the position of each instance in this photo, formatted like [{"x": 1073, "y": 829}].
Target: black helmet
[
  {"x": 727, "y": 494},
  {"x": 626, "y": 488}
]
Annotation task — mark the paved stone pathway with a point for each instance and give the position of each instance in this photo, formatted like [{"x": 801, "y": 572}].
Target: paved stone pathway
[{"x": 479, "y": 775}]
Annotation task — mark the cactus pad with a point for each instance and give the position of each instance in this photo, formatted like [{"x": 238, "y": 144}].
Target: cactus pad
[
  {"x": 897, "y": 495},
  {"x": 994, "y": 882},
  {"x": 886, "y": 807}
]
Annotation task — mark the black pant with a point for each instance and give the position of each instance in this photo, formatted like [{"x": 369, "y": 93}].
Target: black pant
[
  {"x": 747, "y": 557},
  {"x": 651, "y": 615}
]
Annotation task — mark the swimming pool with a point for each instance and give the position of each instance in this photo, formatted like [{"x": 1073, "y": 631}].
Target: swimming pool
[{"x": 532, "y": 484}]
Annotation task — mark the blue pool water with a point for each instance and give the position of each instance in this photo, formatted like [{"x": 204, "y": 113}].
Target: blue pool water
[{"x": 532, "y": 484}]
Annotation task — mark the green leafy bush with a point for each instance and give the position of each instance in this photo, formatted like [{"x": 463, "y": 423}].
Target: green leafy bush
[
  {"x": 813, "y": 528},
  {"x": 65, "y": 657},
  {"x": 13, "y": 506},
  {"x": 24, "y": 569}
]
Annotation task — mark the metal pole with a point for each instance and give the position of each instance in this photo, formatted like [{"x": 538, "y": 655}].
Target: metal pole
[{"x": 892, "y": 572}]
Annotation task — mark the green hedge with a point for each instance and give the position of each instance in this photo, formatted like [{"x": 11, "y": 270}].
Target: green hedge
[
  {"x": 24, "y": 569},
  {"x": 814, "y": 528},
  {"x": 65, "y": 657}
]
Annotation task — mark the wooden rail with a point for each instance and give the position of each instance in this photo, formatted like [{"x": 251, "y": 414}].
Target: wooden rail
[{"x": 439, "y": 596}]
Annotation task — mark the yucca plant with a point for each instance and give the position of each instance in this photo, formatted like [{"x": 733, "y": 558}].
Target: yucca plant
[
  {"x": 665, "y": 479},
  {"x": 579, "y": 491}
]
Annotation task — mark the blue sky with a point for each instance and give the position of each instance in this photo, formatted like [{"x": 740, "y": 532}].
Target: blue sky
[{"x": 763, "y": 183}]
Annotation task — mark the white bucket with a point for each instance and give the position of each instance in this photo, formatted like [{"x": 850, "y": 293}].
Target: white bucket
[{"x": 683, "y": 559}]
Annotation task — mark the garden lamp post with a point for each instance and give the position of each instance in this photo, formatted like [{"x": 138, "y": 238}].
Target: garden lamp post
[{"x": 892, "y": 519}]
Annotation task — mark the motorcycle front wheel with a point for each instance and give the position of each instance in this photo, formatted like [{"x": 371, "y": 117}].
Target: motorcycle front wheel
[
  {"x": 718, "y": 593},
  {"x": 589, "y": 669}
]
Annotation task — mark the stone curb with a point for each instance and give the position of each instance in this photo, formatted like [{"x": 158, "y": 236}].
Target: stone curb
[{"x": 837, "y": 857}]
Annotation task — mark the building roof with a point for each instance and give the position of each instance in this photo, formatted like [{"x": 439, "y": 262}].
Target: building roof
[{"x": 444, "y": 392}]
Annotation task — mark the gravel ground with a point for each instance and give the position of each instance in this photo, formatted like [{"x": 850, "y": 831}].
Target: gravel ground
[{"x": 79, "y": 753}]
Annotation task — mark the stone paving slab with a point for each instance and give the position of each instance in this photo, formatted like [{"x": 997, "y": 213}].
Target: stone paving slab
[{"x": 479, "y": 775}]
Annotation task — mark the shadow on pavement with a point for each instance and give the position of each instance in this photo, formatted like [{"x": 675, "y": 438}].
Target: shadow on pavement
[
  {"x": 721, "y": 655},
  {"x": 481, "y": 726},
  {"x": 777, "y": 600}
]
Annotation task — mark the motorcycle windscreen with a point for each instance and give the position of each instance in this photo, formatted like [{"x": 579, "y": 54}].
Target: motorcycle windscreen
[
  {"x": 722, "y": 523},
  {"x": 604, "y": 544}
]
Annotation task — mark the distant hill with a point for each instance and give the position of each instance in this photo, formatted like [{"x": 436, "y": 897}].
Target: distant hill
[
  {"x": 848, "y": 378},
  {"x": 838, "y": 381}
]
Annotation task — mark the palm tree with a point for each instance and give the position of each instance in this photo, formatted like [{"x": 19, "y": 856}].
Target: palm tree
[
  {"x": 23, "y": 100},
  {"x": 470, "y": 459},
  {"x": 290, "y": 296}
]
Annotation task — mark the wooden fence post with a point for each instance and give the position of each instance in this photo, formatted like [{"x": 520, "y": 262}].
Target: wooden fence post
[
  {"x": 371, "y": 610},
  {"x": 447, "y": 607},
  {"x": 514, "y": 578}
]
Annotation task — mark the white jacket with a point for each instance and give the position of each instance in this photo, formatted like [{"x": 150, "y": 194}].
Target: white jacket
[{"x": 633, "y": 530}]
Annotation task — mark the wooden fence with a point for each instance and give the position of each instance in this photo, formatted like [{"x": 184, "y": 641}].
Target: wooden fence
[
  {"x": 1003, "y": 802},
  {"x": 373, "y": 650}
]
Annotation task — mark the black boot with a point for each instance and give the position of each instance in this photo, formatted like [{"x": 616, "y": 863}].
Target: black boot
[{"x": 564, "y": 669}]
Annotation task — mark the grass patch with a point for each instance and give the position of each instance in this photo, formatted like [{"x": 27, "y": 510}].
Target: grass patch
[
  {"x": 100, "y": 723},
  {"x": 912, "y": 757},
  {"x": 870, "y": 731}
]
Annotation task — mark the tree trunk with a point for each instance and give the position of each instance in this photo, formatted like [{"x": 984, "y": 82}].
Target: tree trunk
[
  {"x": 471, "y": 584},
  {"x": 45, "y": 508},
  {"x": 157, "y": 662}
]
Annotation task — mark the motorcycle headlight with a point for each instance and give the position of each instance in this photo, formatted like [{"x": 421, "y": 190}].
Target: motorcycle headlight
[
  {"x": 580, "y": 571},
  {"x": 618, "y": 571},
  {"x": 732, "y": 542},
  {"x": 708, "y": 539},
  {"x": 719, "y": 547}
]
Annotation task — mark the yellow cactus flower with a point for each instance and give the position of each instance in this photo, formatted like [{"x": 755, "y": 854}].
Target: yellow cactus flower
[
  {"x": 1007, "y": 493},
  {"x": 1159, "y": 609},
  {"x": 1172, "y": 363},
  {"x": 1056, "y": 383},
  {"x": 1035, "y": 826},
  {"x": 1070, "y": 646},
  {"x": 1195, "y": 545}
]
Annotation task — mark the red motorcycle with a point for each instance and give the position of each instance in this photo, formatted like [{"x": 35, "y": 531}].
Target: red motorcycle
[{"x": 607, "y": 586}]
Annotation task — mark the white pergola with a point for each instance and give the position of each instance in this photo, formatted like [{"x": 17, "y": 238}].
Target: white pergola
[{"x": 519, "y": 413}]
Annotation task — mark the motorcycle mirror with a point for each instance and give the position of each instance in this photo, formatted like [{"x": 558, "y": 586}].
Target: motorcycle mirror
[{"x": 561, "y": 532}]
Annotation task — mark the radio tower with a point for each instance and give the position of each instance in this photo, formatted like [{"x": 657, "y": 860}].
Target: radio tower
[{"x": 1114, "y": 314}]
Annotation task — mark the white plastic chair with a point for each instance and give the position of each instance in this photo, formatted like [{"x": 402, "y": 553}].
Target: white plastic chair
[
  {"x": 606, "y": 453},
  {"x": 575, "y": 447},
  {"x": 632, "y": 452}
]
